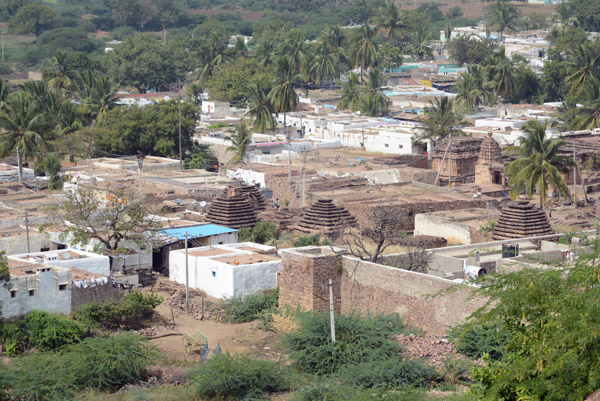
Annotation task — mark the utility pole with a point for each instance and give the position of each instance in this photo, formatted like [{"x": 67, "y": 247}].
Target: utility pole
[
  {"x": 331, "y": 311},
  {"x": 187, "y": 278},
  {"x": 450, "y": 163},
  {"x": 2, "y": 31},
  {"x": 574, "y": 177},
  {"x": 27, "y": 232},
  {"x": 180, "y": 148}
]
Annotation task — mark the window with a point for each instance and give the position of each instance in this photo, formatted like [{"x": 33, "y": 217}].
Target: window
[
  {"x": 387, "y": 145},
  {"x": 61, "y": 246},
  {"x": 401, "y": 146},
  {"x": 31, "y": 293},
  {"x": 44, "y": 249},
  {"x": 62, "y": 287},
  {"x": 13, "y": 294},
  {"x": 214, "y": 273}
]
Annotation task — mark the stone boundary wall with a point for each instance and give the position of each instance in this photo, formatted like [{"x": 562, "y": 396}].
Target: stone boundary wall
[
  {"x": 98, "y": 294},
  {"x": 381, "y": 289}
]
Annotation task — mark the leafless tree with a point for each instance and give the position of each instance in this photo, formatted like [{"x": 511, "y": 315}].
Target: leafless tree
[
  {"x": 376, "y": 231},
  {"x": 416, "y": 259}
]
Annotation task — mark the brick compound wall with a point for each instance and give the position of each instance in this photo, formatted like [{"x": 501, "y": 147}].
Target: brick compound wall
[{"x": 418, "y": 298}]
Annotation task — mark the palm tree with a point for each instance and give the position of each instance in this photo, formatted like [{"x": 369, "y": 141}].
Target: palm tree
[
  {"x": 52, "y": 167},
  {"x": 375, "y": 103},
  {"x": 351, "y": 93},
  {"x": 365, "y": 52},
  {"x": 240, "y": 142},
  {"x": 389, "y": 21},
  {"x": 4, "y": 91},
  {"x": 586, "y": 65},
  {"x": 19, "y": 119},
  {"x": 336, "y": 40},
  {"x": 442, "y": 119},
  {"x": 261, "y": 110},
  {"x": 470, "y": 94},
  {"x": 57, "y": 71},
  {"x": 97, "y": 94},
  {"x": 284, "y": 98},
  {"x": 324, "y": 66},
  {"x": 584, "y": 111},
  {"x": 501, "y": 72},
  {"x": 540, "y": 165},
  {"x": 502, "y": 16},
  {"x": 214, "y": 53},
  {"x": 419, "y": 38},
  {"x": 296, "y": 49}
]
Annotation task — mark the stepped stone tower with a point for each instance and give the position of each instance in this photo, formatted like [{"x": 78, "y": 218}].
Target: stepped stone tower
[
  {"x": 326, "y": 216},
  {"x": 489, "y": 168},
  {"x": 232, "y": 209},
  {"x": 521, "y": 219},
  {"x": 255, "y": 196}
]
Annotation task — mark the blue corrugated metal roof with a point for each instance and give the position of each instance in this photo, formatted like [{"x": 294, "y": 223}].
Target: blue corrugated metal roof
[{"x": 205, "y": 230}]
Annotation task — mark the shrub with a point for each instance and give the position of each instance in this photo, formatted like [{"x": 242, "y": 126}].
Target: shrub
[
  {"x": 245, "y": 234},
  {"x": 389, "y": 374},
  {"x": 109, "y": 362},
  {"x": 308, "y": 240},
  {"x": 125, "y": 312},
  {"x": 94, "y": 363},
  {"x": 341, "y": 392},
  {"x": 12, "y": 338},
  {"x": 358, "y": 339},
  {"x": 48, "y": 332},
  {"x": 226, "y": 377},
  {"x": 248, "y": 308},
  {"x": 474, "y": 341},
  {"x": 264, "y": 231}
]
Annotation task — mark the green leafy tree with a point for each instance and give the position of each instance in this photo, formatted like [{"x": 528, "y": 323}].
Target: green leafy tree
[
  {"x": 585, "y": 63},
  {"x": 469, "y": 49},
  {"x": 390, "y": 57},
  {"x": 96, "y": 93},
  {"x": 501, "y": 73},
  {"x": 240, "y": 142},
  {"x": 551, "y": 352},
  {"x": 141, "y": 61},
  {"x": 335, "y": 38},
  {"x": 33, "y": 19},
  {"x": 20, "y": 120},
  {"x": 502, "y": 16},
  {"x": 149, "y": 130},
  {"x": 540, "y": 164}
]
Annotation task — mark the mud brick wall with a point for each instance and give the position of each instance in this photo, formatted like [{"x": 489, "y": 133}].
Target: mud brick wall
[
  {"x": 381, "y": 289},
  {"x": 304, "y": 279},
  {"x": 98, "y": 294}
]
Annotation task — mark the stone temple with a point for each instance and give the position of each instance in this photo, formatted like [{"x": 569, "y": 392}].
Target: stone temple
[
  {"x": 325, "y": 216},
  {"x": 489, "y": 168},
  {"x": 233, "y": 209},
  {"x": 521, "y": 219}
]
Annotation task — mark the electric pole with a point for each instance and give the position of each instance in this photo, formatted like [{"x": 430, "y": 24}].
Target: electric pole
[{"x": 187, "y": 278}]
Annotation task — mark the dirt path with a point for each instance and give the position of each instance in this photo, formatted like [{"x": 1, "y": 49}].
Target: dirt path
[{"x": 243, "y": 338}]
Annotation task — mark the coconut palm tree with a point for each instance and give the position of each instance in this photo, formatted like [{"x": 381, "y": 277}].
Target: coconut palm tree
[
  {"x": 57, "y": 71},
  {"x": 374, "y": 102},
  {"x": 296, "y": 48},
  {"x": 442, "y": 119},
  {"x": 20, "y": 120},
  {"x": 419, "y": 38},
  {"x": 501, "y": 73},
  {"x": 324, "y": 65},
  {"x": 214, "y": 53},
  {"x": 52, "y": 167},
  {"x": 336, "y": 40},
  {"x": 261, "y": 110},
  {"x": 240, "y": 142},
  {"x": 502, "y": 16},
  {"x": 97, "y": 94},
  {"x": 365, "y": 52},
  {"x": 540, "y": 165},
  {"x": 4, "y": 91},
  {"x": 586, "y": 66},
  {"x": 584, "y": 111},
  {"x": 389, "y": 20},
  {"x": 471, "y": 94},
  {"x": 351, "y": 93},
  {"x": 284, "y": 98}
]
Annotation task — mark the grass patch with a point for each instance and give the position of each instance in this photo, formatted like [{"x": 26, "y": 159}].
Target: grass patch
[{"x": 251, "y": 307}]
